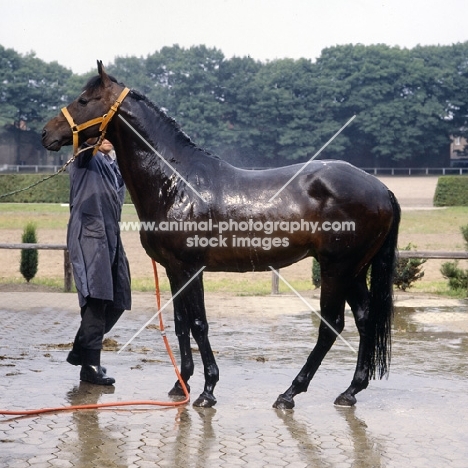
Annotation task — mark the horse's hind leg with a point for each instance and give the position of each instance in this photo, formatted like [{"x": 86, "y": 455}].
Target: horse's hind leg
[
  {"x": 332, "y": 301},
  {"x": 358, "y": 299}
]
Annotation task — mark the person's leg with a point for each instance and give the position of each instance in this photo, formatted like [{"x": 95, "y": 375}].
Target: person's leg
[
  {"x": 112, "y": 317},
  {"x": 74, "y": 356},
  {"x": 90, "y": 339}
]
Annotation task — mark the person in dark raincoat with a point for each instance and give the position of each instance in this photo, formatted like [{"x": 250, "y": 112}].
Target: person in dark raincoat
[{"x": 100, "y": 266}]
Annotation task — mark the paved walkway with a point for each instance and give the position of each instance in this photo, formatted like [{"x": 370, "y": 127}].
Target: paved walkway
[{"x": 418, "y": 417}]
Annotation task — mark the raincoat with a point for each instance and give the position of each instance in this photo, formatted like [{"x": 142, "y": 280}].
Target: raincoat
[{"x": 100, "y": 266}]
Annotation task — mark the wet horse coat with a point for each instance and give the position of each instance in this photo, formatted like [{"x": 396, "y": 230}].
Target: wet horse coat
[{"x": 170, "y": 179}]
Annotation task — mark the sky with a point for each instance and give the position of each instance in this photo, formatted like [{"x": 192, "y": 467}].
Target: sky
[{"x": 77, "y": 33}]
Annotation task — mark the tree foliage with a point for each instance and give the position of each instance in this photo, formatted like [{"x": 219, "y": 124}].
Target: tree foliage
[
  {"x": 457, "y": 277},
  {"x": 407, "y": 102},
  {"x": 31, "y": 90},
  {"x": 29, "y": 257},
  {"x": 408, "y": 271}
]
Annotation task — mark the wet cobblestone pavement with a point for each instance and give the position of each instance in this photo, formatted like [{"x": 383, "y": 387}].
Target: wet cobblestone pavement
[{"x": 416, "y": 418}]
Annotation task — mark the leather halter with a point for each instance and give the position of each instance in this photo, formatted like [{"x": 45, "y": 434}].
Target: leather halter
[{"x": 104, "y": 121}]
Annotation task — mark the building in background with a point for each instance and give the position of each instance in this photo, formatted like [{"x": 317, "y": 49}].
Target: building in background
[{"x": 458, "y": 152}]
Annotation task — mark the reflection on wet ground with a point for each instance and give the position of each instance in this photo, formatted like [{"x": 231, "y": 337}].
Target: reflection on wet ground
[{"x": 418, "y": 417}]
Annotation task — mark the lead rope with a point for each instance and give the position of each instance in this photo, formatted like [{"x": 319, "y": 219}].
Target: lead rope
[{"x": 123, "y": 403}]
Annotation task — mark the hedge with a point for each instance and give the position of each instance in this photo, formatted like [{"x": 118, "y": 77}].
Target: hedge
[
  {"x": 451, "y": 191},
  {"x": 53, "y": 190}
]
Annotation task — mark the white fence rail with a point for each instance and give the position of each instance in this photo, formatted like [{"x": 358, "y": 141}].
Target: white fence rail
[
  {"x": 393, "y": 171},
  {"x": 67, "y": 268},
  {"x": 274, "y": 278},
  {"x": 413, "y": 171},
  {"x": 426, "y": 254},
  {"x": 28, "y": 169}
]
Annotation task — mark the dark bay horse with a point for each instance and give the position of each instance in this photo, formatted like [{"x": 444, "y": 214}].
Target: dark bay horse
[{"x": 205, "y": 213}]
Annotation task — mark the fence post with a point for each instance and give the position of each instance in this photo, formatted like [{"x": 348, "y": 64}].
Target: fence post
[{"x": 274, "y": 283}]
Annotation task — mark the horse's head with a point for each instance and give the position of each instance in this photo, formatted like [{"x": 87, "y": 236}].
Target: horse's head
[{"x": 87, "y": 116}]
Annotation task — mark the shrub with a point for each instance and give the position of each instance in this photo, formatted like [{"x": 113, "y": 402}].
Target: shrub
[
  {"x": 408, "y": 270},
  {"x": 316, "y": 273},
  {"x": 451, "y": 191},
  {"x": 29, "y": 257},
  {"x": 457, "y": 277}
]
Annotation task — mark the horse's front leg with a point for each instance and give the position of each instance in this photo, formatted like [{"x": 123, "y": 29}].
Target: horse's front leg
[{"x": 190, "y": 315}]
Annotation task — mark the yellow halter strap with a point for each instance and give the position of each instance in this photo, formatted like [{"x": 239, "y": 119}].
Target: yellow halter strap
[{"x": 104, "y": 121}]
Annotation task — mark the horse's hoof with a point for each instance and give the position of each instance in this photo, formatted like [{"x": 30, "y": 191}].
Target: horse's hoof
[
  {"x": 205, "y": 400},
  {"x": 345, "y": 400},
  {"x": 283, "y": 403},
  {"x": 177, "y": 390}
]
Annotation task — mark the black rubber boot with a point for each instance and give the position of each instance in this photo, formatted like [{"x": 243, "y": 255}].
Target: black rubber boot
[
  {"x": 91, "y": 369},
  {"x": 75, "y": 357}
]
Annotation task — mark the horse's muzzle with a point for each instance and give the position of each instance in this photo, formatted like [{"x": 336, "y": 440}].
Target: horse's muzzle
[{"x": 49, "y": 142}]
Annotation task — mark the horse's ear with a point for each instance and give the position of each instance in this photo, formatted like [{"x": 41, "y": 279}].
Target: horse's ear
[{"x": 105, "y": 79}]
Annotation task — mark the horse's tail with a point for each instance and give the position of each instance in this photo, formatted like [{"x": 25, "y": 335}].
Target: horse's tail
[{"x": 381, "y": 297}]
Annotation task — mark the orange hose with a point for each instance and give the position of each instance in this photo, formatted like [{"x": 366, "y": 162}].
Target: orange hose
[{"x": 124, "y": 403}]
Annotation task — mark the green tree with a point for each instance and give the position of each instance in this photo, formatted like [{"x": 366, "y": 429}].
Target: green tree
[
  {"x": 186, "y": 85},
  {"x": 31, "y": 90},
  {"x": 408, "y": 102},
  {"x": 281, "y": 116},
  {"x": 238, "y": 90},
  {"x": 133, "y": 72},
  {"x": 29, "y": 257}
]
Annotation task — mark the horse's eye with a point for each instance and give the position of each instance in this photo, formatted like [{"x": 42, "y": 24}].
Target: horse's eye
[{"x": 82, "y": 101}]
